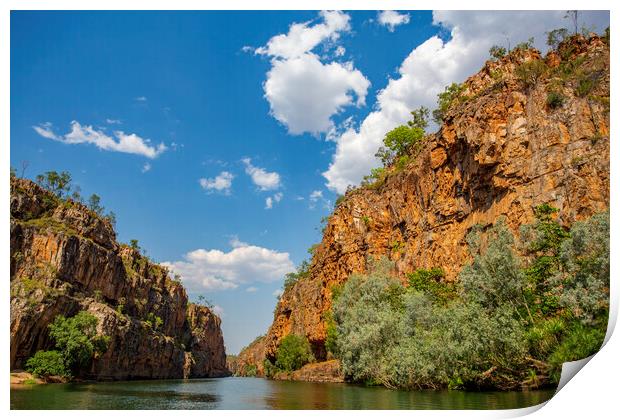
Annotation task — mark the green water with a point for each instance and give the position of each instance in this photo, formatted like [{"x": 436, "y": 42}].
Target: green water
[{"x": 256, "y": 393}]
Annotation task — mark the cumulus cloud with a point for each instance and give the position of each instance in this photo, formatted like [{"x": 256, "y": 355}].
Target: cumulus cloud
[
  {"x": 264, "y": 180},
  {"x": 121, "y": 142},
  {"x": 392, "y": 19},
  {"x": 429, "y": 68},
  {"x": 221, "y": 183},
  {"x": 214, "y": 269},
  {"x": 303, "y": 92}
]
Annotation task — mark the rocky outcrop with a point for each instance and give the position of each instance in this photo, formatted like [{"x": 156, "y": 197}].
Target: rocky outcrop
[
  {"x": 249, "y": 361},
  {"x": 65, "y": 259},
  {"x": 328, "y": 371},
  {"x": 502, "y": 150}
]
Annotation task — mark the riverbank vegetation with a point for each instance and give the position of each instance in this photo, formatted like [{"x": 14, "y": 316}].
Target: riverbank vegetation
[
  {"x": 522, "y": 307},
  {"x": 76, "y": 343}
]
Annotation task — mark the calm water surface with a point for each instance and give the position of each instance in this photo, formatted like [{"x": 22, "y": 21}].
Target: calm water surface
[{"x": 256, "y": 393}]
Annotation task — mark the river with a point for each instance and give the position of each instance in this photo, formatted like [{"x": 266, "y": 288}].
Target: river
[{"x": 256, "y": 393}]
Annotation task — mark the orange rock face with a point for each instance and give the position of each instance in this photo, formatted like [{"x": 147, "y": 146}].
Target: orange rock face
[
  {"x": 65, "y": 258},
  {"x": 500, "y": 152}
]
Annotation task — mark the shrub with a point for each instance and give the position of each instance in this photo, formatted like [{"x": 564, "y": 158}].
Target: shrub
[
  {"x": 429, "y": 282},
  {"x": 495, "y": 277},
  {"x": 497, "y": 52},
  {"x": 555, "y": 100},
  {"x": 303, "y": 270},
  {"x": 47, "y": 363},
  {"x": 585, "y": 84},
  {"x": 376, "y": 178},
  {"x": 293, "y": 352},
  {"x": 527, "y": 45},
  {"x": 583, "y": 282},
  {"x": 445, "y": 100},
  {"x": 530, "y": 72}
]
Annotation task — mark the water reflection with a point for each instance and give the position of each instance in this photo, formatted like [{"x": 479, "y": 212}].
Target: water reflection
[{"x": 255, "y": 393}]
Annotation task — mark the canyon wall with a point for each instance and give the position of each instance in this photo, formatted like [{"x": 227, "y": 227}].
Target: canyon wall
[
  {"x": 65, "y": 259},
  {"x": 502, "y": 150}
]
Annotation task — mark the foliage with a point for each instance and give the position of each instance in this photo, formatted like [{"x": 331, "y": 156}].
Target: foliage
[
  {"x": 76, "y": 341},
  {"x": 293, "y": 352},
  {"x": 555, "y": 100},
  {"x": 556, "y": 36},
  {"x": 251, "y": 370},
  {"x": 495, "y": 278},
  {"x": 585, "y": 84},
  {"x": 530, "y": 72},
  {"x": 376, "y": 178},
  {"x": 303, "y": 270},
  {"x": 133, "y": 244},
  {"x": 583, "y": 282},
  {"x": 401, "y": 141},
  {"x": 445, "y": 100},
  {"x": 430, "y": 283},
  {"x": 47, "y": 363},
  {"x": 517, "y": 318},
  {"x": 400, "y": 338},
  {"x": 94, "y": 204},
  {"x": 497, "y": 52},
  {"x": 529, "y": 44},
  {"x": 58, "y": 183}
]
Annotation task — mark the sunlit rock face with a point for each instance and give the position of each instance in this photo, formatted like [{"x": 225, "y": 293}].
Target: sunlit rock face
[
  {"x": 65, "y": 259},
  {"x": 501, "y": 151}
]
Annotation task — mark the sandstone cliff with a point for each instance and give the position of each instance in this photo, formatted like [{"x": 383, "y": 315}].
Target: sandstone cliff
[
  {"x": 65, "y": 258},
  {"x": 503, "y": 149}
]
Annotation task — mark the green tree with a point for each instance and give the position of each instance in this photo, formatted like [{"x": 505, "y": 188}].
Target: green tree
[
  {"x": 497, "y": 52},
  {"x": 556, "y": 36},
  {"x": 293, "y": 352},
  {"x": 57, "y": 183},
  {"x": 445, "y": 100},
  {"x": 94, "y": 203},
  {"x": 401, "y": 140},
  {"x": 76, "y": 341}
]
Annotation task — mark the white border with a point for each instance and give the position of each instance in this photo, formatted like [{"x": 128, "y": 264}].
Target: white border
[{"x": 591, "y": 394}]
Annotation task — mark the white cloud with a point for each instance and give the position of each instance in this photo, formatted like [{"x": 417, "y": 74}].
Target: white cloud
[
  {"x": 260, "y": 177},
  {"x": 124, "y": 143},
  {"x": 146, "y": 167},
  {"x": 392, "y": 19},
  {"x": 113, "y": 121},
  {"x": 214, "y": 269},
  {"x": 269, "y": 201},
  {"x": 218, "y": 310},
  {"x": 340, "y": 51},
  {"x": 303, "y": 92},
  {"x": 317, "y": 196},
  {"x": 140, "y": 98},
  {"x": 277, "y": 293},
  {"x": 221, "y": 183},
  {"x": 251, "y": 289},
  {"x": 302, "y": 37},
  {"x": 429, "y": 68}
]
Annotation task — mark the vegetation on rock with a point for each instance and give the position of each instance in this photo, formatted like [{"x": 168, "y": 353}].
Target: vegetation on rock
[
  {"x": 76, "y": 341},
  {"x": 510, "y": 321}
]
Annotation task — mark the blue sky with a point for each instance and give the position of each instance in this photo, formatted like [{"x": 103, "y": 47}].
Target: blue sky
[{"x": 220, "y": 139}]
